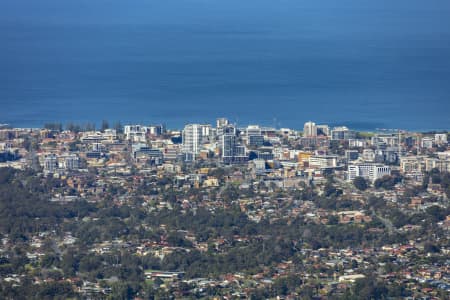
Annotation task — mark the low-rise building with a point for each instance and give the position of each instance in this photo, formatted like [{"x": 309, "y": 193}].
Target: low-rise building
[{"x": 369, "y": 171}]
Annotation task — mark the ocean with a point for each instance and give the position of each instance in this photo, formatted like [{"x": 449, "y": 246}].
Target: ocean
[{"x": 364, "y": 64}]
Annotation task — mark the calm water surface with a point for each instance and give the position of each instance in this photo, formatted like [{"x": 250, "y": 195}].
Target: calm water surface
[{"x": 366, "y": 64}]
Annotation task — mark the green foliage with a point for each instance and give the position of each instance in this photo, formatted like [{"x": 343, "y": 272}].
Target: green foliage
[
  {"x": 370, "y": 288},
  {"x": 105, "y": 125},
  {"x": 177, "y": 239},
  {"x": 49, "y": 290},
  {"x": 230, "y": 193},
  {"x": 73, "y": 127},
  {"x": 286, "y": 285},
  {"x": 25, "y": 211},
  {"x": 442, "y": 178},
  {"x": 431, "y": 248},
  {"x": 360, "y": 183},
  {"x": 53, "y": 126},
  {"x": 25, "y": 207},
  {"x": 118, "y": 127},
  {"x": 387, "y": 182}
]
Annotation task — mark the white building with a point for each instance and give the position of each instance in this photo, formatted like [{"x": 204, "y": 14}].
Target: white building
[
  {"x": 440, "y": 139},
  {"x": 442, "y": 164},
  {"x": 221, "y": 122},
  {"x": 98, "y": 136},
  {"x": 427, "y": 142},
  {"x": 156, "y": 130},
  {"x": 323, "y": 129},
  {"x": 69, "y": 162},
  {"x": 356, "y": 143},
  {"x": 342, "y": 133},
  {"x": 136, "y": 133},
  {"x": 310, "y": 129},
  {"x": 412, "y": 164},
  {"x": 110, "y": 134},
  {"x": 206, "y": 130},
  {"x": 368, "y": 155},
  {"x": 323, "y": 161},
  {"x": 192, "y": 139},
  {"x": 170, "y": 152},
  {"x": 385, "y": 140},
  {"x": 232, "y": 152},
  {"x": 59, "y": 164},
  {"x": 253, "y": 130},
  {"x": 368, "y": 171},
  {"x": 259, "y": 165},
  {"x": 50, "y": 163},
  {"x": 254, "y": 135}
]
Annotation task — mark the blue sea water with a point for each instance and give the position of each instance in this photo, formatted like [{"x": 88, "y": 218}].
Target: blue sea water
[{"x": 365, "y": 64}]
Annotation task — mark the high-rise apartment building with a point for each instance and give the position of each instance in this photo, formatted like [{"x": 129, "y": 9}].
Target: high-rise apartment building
[
  {"x": 254, "y": 136},
  {"x": 221, "y": 122},
  {"x": 192, "y": 139},
  {"x": 136, "y": 133},
  {"x": 310, "y": 129},
  {"x": 342, "y": 133},
  {"x": 50, "y": 164},
  {"x": 323, "y": 130},
  {"x": 232, "y": 152}
]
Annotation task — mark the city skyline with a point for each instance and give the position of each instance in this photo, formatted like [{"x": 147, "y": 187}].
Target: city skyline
[{"x": 194, "y": 149}]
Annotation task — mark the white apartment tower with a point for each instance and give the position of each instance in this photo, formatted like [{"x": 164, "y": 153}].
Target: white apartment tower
[
  {"x": 221, "y": 122},
  {"x": 50, "y": 163},
  {"x": 192, "y": 138},
  {"x": 310, "y": 129},
  {"x": 136, "y": 133}
]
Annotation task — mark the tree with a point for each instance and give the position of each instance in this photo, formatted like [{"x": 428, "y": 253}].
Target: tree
[
  {"x": 360, "y": 183},
  {"x": 330, "y": 191},
  {"x": 122, "y": 290},
  {"x": 105, "y": 125},
  {"x": 431, "y": 248},
  {"x": 53, "y": 126},
  {"x": 333, "y": 220},
  {"x": 89, "y": 126},
  {"x": 73, "y": 127},
  {"x": 369, "y": 288},
  {"x": 118, "y": 127},
  {"x": 387, "y": 182}
]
